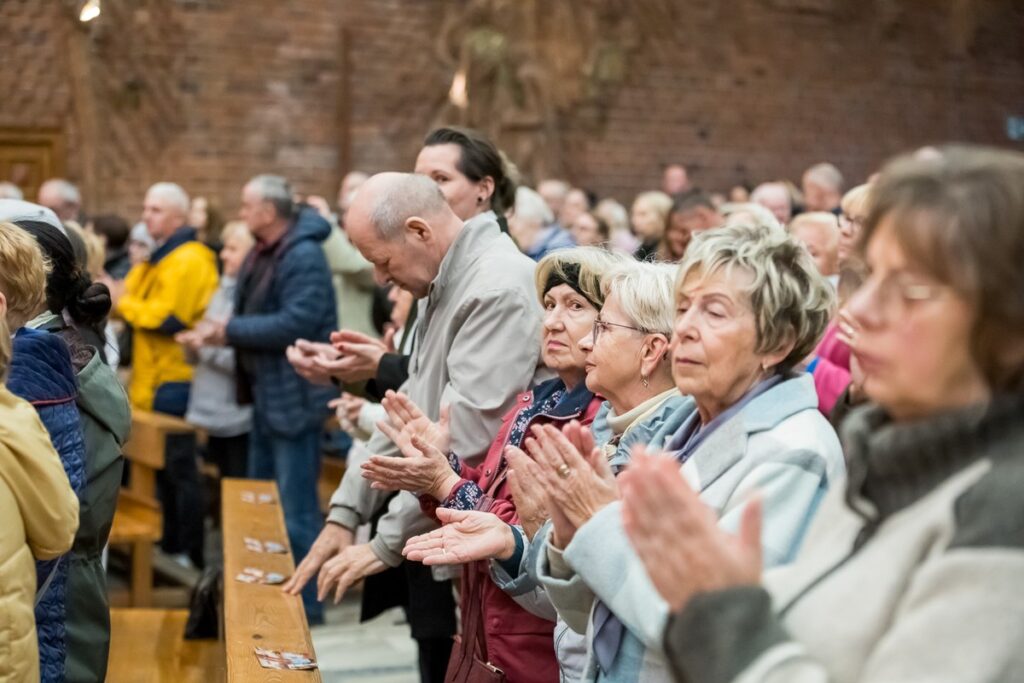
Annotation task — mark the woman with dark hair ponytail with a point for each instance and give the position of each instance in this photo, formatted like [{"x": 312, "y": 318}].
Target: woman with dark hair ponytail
[
  {"x": 77, "y": 310},
  {"x": 474, "y": 176}
]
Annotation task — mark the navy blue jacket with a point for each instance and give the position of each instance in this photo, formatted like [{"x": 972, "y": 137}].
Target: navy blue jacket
[
  {"x": 299, "y": 303},
  {"x": 42, "y": 374}
]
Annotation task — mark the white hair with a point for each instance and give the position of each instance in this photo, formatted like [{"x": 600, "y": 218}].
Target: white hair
[
  {"x": 645, "y": 293},
  {"x": 276, "y": 190},
  {"x": 614, "y": 214},
  {"x": 736, "y": 213},
  {"x": 10, "y": 191},
  {"x": 765, "y": 190},
  {"x": 531, "y": 207},
  {"x": 398, "y": 197},
  {"x": 826, "y": 175},
  {"x": 172, "y": 194},
  {"x": 66, "y": 191}
]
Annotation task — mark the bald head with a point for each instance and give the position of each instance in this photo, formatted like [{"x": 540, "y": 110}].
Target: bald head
[
  {"x": 401, "y": 223},
  {"x": 388, "y": 200}
]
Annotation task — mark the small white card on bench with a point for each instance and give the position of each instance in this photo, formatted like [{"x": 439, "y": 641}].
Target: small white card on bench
[{"x": 279, "y": 659}]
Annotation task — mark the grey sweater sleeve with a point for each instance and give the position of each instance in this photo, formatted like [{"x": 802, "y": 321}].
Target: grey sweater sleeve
[{"x": 958, "y": 622}]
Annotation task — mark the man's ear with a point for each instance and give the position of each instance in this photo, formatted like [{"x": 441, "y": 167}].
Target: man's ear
[{"x": 418, "y": 229}]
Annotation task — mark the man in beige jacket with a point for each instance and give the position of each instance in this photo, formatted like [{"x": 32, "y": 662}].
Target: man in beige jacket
[{"x": 477, "y": 347}]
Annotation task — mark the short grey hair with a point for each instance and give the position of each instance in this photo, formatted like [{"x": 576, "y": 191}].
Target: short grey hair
[
  {"x": 791, "y": 301},
  {"x": 402, "y": 197},
  {"x": 530, "y": 206},
  {"x": 67, "y": 192},
  {"x": 276, "y": 190},
  {"x": 173, "y": 194},
  {"x": 645, "y": 294},
  {"x": 825, "y": 174},
  {"x": 10, "y": 191}
]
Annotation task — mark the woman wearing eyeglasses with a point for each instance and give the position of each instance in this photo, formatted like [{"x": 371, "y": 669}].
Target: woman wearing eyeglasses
[
  {"x": 912, "y": 571},
  {"x": 750, "y": 306},
  {"x": 569, "y": 288},
  {"x": 625, "y": 355}
]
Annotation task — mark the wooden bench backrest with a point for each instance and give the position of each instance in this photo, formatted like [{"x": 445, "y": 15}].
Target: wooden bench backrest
[
  {"x": 145, "y": 451},
  {"x": 256, "y": 615}
]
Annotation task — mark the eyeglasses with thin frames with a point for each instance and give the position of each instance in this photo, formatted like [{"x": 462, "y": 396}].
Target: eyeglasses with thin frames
[{"x": 603, "y": 324}]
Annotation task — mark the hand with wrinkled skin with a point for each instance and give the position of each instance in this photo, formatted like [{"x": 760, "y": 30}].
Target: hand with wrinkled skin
[
  {"x": 424, "y": 470},
  {"x": 303, "y": 355},
  {"x": 345, "y": 569},
  {"x": 678, "y": 538},
  {"x": 528, "y": 493},
  {"x": 406, "y": 420},
  {"x": 333, "y": 539},
  {"x": 359, "y": 357},
  {"x": 589, "y": 486},
  {"x": 467, "y": 536}
]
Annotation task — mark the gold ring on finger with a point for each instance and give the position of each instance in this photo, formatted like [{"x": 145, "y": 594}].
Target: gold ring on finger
[{"x": 564, "y": 471}]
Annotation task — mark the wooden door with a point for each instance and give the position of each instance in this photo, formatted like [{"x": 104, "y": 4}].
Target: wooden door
[{"x": 29, "y": 157}]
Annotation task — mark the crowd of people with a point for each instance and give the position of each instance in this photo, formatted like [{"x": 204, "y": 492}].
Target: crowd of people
[{"x": 769, "y": 434}]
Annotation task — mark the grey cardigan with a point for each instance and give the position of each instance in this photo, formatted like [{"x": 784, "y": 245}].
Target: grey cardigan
[
  {"x": 477, "y": 348},
  {"x": 213, "y": 403}
]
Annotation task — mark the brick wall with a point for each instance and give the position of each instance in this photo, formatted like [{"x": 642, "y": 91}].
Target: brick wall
[{"x": 210, "y": 92}]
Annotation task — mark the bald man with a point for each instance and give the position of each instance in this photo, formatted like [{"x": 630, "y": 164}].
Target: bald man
[
  {"x": 478, "y": 347},
  {"x": 776, "y": 198}
]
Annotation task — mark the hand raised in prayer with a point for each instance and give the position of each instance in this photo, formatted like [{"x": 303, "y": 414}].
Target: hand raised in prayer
[
  {"x": 678, "y": 538},
  {"x": 528, "y": 493},
  {"x": 303, "y": 355},
  {"x": 359, "y": 356},
  {"x": 467, "y": 536},
  {"x": 578, "y": 484}
]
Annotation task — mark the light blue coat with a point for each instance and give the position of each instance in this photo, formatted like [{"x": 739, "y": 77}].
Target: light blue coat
[{"x": 778, "y": 444}]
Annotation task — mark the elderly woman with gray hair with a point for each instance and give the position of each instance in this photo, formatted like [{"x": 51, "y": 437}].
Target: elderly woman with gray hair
[
  {"x": 627, "y": 363},
  {"x": 750, "y": 307}
]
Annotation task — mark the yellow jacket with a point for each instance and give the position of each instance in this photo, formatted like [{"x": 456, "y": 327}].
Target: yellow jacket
[
  {"x": 39, "y": 513},
  {"x": 162, "y": 297}
]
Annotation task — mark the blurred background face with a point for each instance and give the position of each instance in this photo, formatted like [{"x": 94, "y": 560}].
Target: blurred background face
[
  {"x": 647, "y": 223},
  {"x": 568, "y": 318},
  {"x": 820, "y": 245},
  {"x": 776, "y": 199},
  {"x": 197, "y": 216},
  {"x": 674, "y": 180},
  {"x": 849, "y": 233},
  {"x": 161, "y": 217},
  {"x": 553, "y": 192},
  {"x": 913, "y": 344},
  {"x": 440, "y": 163},
  {"x": 256, "y": 211},
  {"x": 816, "y": 196},
  {"x": 586, "y": 231},
  {"x": 677, "y": 236},
  {"x": 576, "y": 203},
  {"x": 233, "y": 254}
]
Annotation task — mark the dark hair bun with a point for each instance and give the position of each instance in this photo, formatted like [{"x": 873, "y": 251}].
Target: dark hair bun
[{"x": 91, "y": 305}]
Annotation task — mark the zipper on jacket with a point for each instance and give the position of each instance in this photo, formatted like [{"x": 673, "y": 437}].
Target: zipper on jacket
[{"x": 863, "y": 536}]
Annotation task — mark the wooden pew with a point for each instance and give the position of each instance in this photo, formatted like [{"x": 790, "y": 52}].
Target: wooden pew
[
  {"x": 148, "y": 645},
  {"x": 137, "y": 521},
  {"x": 257, "y": 615}
]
